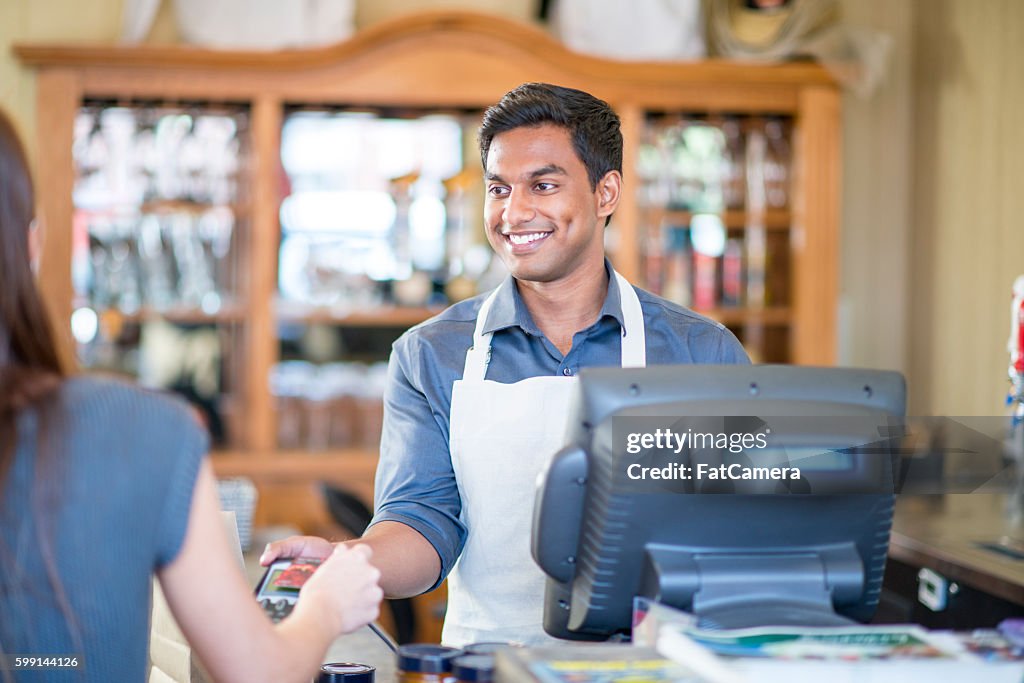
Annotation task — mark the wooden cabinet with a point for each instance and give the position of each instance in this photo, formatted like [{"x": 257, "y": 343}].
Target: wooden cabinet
[{"x": 444, "y": 61}]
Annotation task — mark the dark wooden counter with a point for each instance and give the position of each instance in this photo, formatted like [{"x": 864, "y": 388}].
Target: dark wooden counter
[{"x": 945, "y": 533}]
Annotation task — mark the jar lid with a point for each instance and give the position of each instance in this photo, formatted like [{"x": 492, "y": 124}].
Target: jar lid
[
  {"x": 477, "y": 668},
  {"x": 484, "y": 648},
  {"x": 430, "y": 659},
  {"x": 346, "y": 672}
]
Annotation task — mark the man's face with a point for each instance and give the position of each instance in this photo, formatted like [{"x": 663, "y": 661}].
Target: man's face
[{"x": 541, "y": 215}]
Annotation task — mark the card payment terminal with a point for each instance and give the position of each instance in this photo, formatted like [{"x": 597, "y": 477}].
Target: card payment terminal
[{"x": 278, "y": 590}]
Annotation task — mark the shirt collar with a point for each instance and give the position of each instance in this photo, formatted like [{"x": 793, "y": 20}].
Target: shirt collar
[{"x": 509, "y": 310}]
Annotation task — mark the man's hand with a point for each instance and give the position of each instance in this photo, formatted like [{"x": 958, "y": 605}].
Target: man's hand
[
  {"x": 408, "y": 564},
  {"x": 296, "y": 546}
]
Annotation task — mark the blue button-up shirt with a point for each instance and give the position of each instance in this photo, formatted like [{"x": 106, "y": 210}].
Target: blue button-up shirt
[{"x": 415, "y": 483}]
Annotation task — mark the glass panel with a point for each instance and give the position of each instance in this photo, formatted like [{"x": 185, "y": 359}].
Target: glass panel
[
  {"x": 714, "y": 194},
  {"x": 380, "y": 228},
  {"x": 155, "y": 245},
  {"x": 382, "y": 209}
]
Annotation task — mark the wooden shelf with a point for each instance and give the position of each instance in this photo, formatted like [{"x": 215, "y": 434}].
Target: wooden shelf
[
  {"x": 384, "y": 316},
  {"x": 187, "y": 206},
  {"x": 780, "y": 315},
  {"x": 190, "y": 315},
  {"x": 355, "y": 464},
  {"x": 774, "y": 219},
  {"x": 162, "y": 206}
]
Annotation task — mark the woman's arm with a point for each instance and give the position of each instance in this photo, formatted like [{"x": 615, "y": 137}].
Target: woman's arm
[{"x": 218, "y": 614}]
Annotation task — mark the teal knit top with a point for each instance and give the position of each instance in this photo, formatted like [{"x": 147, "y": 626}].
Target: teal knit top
[{"x": 120, "y": 473}]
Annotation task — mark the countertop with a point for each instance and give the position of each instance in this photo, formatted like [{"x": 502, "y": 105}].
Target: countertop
[{"x": 946, "y": 533}]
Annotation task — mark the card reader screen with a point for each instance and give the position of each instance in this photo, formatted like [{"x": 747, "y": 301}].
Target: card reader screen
[{"x": 285, "y": 579}]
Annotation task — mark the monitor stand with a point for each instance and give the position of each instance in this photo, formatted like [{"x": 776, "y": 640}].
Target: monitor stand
[
  {"x": 742, "y": 590},
  {"x": 775, "y": 613}
]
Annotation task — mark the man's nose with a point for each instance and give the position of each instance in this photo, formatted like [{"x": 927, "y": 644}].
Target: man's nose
[{"x": 519, "y": 208}]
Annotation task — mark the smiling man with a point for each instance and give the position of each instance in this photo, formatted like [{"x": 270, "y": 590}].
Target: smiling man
[{"x": 477, "y": 398}]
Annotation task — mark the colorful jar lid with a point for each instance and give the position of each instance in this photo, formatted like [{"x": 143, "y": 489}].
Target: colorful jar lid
[{"x": 346, "y": 672}]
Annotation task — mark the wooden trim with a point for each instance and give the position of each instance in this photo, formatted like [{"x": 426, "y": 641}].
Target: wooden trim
[
  {"x": 442, "y": 25},
  {"x": 776, "y": 315},
  {"x": 815, "y": 233},
  {"x": 774, "y": 219},
  {"x": 261, "y": 272},
  {"x": 57, "y": 99}
]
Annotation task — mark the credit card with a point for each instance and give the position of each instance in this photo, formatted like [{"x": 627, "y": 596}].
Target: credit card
[{"x": 296, "y": 574}]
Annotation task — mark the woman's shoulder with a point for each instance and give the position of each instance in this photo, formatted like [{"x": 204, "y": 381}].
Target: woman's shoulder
[{"x": 101, "y": 395}]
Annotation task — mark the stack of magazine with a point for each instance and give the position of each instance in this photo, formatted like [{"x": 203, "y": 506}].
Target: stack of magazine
[{"x": 878, "y": 654}]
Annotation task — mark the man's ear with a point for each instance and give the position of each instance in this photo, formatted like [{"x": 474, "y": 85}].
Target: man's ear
[{"x": 608, "y": 191}]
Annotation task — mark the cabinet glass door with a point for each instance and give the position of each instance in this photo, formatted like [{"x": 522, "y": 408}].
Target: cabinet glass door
[
  {"x": 159, "y": 221},
  {"x": 714, "y": 196}
]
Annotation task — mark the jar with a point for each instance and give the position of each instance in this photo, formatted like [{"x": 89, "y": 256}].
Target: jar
[
  {"x": 474, "y": 668},
  {"x": 346, "y": 672},
  {"x": 426, "y": 663}
]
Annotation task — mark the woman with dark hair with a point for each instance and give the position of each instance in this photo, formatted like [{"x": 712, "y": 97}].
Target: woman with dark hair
[{"x": 103, "y": 485}]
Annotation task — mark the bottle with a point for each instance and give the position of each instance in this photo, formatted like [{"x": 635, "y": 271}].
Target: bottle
[
  {"x": 1015, "y": 346},
  {"x": 732, "y": 273},
  {"x": 734, "y": 164},
  {"x": 777, "y": 164}
]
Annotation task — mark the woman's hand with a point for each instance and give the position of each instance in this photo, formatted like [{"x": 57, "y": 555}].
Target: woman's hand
[{"x": 343, "y": 591}]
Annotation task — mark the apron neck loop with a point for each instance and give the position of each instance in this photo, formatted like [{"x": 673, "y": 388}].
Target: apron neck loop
[
  {"x": 479, "y": 355},
  {"x": 634, "y": 338}
]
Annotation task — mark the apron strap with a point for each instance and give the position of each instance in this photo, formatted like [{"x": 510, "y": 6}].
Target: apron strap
[
  {"x": 634, "y": 339},
  {"x": 479, "y": 355}
]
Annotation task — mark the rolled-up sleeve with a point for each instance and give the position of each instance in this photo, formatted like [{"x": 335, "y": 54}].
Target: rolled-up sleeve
[{"x": 415, "y": 482}]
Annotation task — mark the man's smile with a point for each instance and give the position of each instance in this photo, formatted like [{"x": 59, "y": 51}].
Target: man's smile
[{"x": 520, "y": 238}]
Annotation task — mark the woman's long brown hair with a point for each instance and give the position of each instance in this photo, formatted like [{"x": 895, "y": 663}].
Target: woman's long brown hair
[
  {"x": 29, "y": 363},
  {"x": 30, "y": 367}
]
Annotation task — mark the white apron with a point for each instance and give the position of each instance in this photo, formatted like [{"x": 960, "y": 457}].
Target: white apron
[{"x": 501, "y": 438}]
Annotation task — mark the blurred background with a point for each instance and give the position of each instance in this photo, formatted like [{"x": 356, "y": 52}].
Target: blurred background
[
  {"x": 378, "y": 209},
  {"x": 931, "y": 219}
]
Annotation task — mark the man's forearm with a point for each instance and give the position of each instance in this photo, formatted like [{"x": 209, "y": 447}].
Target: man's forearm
[{"x": 408, "y": 563}]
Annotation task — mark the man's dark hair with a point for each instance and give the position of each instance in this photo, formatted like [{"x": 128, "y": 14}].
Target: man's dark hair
[{"x": 593, "y": 126}]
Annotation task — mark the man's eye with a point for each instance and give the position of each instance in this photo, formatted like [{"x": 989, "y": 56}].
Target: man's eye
[
  {"x": 497, "y": 191},
  {"x": 545, "y": 187}
]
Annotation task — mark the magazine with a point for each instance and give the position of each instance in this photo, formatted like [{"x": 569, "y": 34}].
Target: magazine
[
  {"x": 589, "y": 663},
  {"x": 878, "y": 654},
  {"x": 843, "y": 643}
]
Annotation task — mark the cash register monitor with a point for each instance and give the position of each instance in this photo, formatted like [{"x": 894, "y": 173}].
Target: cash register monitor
[{"x": 672, "y": 487}]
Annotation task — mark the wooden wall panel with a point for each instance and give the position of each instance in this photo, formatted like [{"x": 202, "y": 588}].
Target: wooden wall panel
[
  {"x": 875, "y": 246},
  {"x": 968, "y": 232}
]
